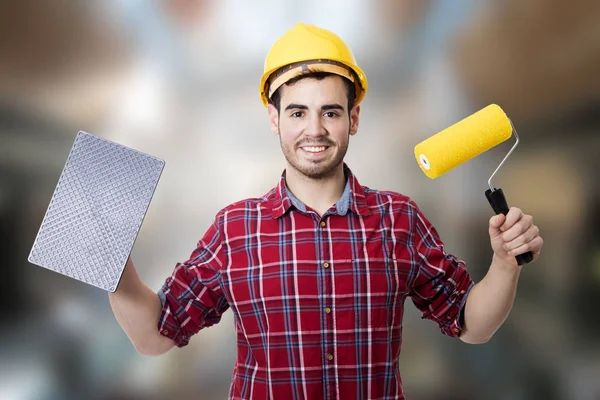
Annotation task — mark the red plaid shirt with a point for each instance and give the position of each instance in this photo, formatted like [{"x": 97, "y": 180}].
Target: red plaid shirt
[{"x": 317, "y": 301}]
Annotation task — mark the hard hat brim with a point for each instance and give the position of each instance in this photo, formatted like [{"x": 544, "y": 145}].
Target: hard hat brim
[{"x": 290, "y": 71}]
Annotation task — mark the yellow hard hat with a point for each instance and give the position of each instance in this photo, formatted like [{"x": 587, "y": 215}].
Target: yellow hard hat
[{"x": 309, "y": 48}]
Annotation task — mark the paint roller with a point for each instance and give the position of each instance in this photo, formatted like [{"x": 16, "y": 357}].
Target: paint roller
[{"x": 465, "y": 140}]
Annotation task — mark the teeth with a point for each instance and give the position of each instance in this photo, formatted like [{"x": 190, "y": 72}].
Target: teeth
[{"x": 314, "y": 149}]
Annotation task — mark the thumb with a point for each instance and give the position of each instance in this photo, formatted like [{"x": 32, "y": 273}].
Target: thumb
[{"x": 495, "y": 223}]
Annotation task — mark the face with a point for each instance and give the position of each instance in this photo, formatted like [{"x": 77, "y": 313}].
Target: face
[{"x": 313, "y": 125}]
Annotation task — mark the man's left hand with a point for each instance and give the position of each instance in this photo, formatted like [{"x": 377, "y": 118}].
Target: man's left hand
[{"x": 514, "y": 234}]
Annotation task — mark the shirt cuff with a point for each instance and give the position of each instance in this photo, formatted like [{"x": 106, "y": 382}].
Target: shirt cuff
[
  {"x": 166, "y": 327},
  {"x": 162, "y": 297},
  {"x": 456, "y": 326}
]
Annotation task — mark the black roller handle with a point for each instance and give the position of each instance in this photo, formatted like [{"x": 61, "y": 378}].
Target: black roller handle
[{"x": 499, "y": 204}]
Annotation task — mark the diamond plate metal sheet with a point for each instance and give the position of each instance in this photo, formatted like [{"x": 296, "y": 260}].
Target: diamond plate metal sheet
[{"x": 96, "y": 211}]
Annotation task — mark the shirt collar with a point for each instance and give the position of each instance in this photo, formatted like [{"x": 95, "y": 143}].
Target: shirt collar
[{"x": 353, "y": 198}]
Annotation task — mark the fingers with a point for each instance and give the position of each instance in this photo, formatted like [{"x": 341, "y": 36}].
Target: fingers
[
  {"x": 535, "y": 246},
  {"x": 515, "y": 225},
  {"x": 513, "y": 216},
  {"x": 529, "y": 235}
]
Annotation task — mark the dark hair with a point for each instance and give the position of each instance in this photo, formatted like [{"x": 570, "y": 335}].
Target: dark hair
[{"x": 350, "y": 88}]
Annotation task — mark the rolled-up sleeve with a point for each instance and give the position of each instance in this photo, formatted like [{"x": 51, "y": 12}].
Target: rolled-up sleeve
[
  {"x": 192, "y": 297},
  {"x": 441, "y": 283}
]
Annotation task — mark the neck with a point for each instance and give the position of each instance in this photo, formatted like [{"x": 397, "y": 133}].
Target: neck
[{"x": 318, "y": 194}]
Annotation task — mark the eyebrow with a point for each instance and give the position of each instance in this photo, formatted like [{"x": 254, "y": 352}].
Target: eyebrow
[
  {"x": 333, "y": 106},
  {"x": 293, "y": 106}
]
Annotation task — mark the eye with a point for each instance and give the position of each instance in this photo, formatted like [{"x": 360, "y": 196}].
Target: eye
[
  {"x": 331, "y": 114},
  {"x": 297, "y": 114}
]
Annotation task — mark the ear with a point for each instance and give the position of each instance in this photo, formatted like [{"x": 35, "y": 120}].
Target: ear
[
  {"x": 273, "y": 119},
  {"x": 354, "y": 118}
]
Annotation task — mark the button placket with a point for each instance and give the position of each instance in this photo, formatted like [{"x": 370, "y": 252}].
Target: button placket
[{"x": 328, "y": 348}]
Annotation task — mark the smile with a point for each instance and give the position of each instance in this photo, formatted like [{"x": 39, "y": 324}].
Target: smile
[{"x": 314, "y": 149}]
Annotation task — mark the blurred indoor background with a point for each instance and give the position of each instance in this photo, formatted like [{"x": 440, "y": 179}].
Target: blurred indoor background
[{"x": 178, "y": 79}]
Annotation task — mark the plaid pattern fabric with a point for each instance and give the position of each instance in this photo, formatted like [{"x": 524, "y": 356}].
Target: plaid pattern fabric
[{"x": 318, "y": 302}]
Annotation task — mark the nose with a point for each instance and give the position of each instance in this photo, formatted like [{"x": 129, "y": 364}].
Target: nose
[{"x": 315, "y": 126}]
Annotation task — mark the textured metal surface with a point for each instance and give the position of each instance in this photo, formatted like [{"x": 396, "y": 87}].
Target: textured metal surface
[{"x": 96, "y": 211}]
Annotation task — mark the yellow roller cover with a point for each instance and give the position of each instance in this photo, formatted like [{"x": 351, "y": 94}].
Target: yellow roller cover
[{"x": 463, "y": 141}]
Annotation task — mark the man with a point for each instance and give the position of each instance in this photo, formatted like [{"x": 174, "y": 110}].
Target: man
[{"x": 317, "y": 270}]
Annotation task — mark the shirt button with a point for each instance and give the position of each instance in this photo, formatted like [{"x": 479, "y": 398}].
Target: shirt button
[
  {"x": 323, "y": 224},
  {"x": 456, "y": 330},
  {"x": 327, "y": 310},
  {"x": 326, "y": 265},
  {"x": 165, "y": 332},
  {"x": 330, "y": 357}
]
